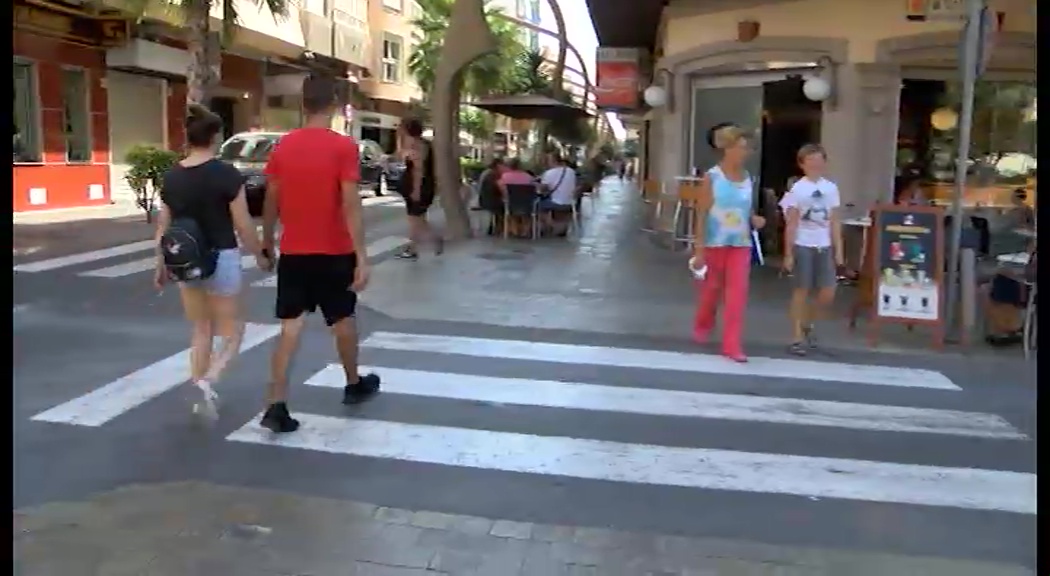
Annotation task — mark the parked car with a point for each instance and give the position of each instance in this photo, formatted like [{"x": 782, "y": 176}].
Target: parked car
[{"x": 249, "y": 151}]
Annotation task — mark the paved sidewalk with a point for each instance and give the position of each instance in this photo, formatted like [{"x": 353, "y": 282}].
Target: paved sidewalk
[
  {"x": 616, "y": 279},
  {"x": 197, "y": 529}
]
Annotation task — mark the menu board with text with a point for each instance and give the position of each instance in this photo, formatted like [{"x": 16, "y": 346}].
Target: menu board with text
[{"x": 909, "y": 263}]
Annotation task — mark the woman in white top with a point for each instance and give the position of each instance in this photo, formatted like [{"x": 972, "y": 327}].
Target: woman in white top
[{"x": 812, "y": 245}]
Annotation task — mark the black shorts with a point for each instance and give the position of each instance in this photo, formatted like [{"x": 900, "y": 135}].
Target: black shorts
[
  {"x": 306, "y": 282},
  {"x": 420, "y": 208}
]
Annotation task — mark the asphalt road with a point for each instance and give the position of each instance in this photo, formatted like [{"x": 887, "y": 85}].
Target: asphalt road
[{"x": 907, "y": 455}]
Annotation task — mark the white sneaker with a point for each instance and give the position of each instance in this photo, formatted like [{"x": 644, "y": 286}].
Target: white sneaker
[{"x": 208, "y": 405}]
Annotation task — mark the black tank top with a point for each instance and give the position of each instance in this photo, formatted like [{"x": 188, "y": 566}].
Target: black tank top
[{"x": 427, "y": 186}]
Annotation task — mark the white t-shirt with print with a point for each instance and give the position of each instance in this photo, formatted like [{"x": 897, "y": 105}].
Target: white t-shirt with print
[
  {"x": 814, "y": 201},
  {"x": 562, "y": 182}
]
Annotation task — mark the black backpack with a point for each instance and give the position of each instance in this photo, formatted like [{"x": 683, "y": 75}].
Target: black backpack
[{"x": 186, "y": 251}]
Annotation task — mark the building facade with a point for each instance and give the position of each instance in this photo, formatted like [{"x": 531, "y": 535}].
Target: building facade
[
  {"x": 388, "y": 91},
  {"x": 90, "y": 85},
  {"x": 894, "y": 92}
]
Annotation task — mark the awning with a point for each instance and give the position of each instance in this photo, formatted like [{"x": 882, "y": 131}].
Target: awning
[
  {"x": 532, "y": 107},
  {"x": 626, "y": 23}
]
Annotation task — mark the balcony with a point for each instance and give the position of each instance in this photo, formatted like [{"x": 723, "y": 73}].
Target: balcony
[
  {"x": 350, "y": 40},
  {"x": 317, "y": 32}
]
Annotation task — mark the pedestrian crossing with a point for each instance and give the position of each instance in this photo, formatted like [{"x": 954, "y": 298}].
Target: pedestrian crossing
[
  {"x": 658, "y": 387},
  {"x": 77, "y": 263}
]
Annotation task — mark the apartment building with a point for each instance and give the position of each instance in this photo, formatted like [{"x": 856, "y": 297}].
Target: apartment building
[{"x": 387, "y": 90}]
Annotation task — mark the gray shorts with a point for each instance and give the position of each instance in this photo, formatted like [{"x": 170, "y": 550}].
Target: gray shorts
[
  {"x": 226, "y": 281},
  {"x": 814, "y": 268}
]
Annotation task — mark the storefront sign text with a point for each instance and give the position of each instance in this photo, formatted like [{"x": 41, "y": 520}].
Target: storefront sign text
[{"x": 618, "y": 78}]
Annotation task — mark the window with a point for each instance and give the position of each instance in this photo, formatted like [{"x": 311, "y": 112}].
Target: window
[
  {"x": 519, "y": 8},
  {"x": 349, "y": 11},
  {"x": 26, "y": 128},
  {"x": 534, "y": 41},
  {"x": 392, "y": 57},
  {"x": 534, "y": 12},
  {"x": 394, "y": 5},
  {"x": 76, "y": 115}
]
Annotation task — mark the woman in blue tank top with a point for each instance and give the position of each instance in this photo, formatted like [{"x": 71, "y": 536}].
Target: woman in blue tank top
[{"x": 723, "y": 242}]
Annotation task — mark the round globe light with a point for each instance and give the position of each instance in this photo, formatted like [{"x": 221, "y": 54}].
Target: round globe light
[
  {"x": 816, "y": 89},
  {"x": 944, "y": 119},
  {"x": 655, "y": 96}
]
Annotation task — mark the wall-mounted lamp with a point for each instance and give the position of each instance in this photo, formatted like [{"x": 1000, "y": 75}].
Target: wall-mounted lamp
[
  {"x": 821, "y": 86},
  {"x": 657, "y": 95}
]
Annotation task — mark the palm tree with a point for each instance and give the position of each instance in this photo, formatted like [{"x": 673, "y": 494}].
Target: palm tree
[
  {"x": 196, "y": 17},
  {"x": 484, "y": 76},
  {"x": 530, "y": 74}
]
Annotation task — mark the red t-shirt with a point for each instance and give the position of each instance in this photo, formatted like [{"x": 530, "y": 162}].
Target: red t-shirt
[{"x": 309, "y": 164}]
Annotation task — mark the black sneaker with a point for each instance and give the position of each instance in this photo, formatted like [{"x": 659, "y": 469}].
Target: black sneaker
[
  {"x": 407, "y": 254},
  {"x": 278, "y": 420},
  {"x": 365, "y": 387}
]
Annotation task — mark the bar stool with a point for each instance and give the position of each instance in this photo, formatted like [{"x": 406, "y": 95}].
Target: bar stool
[
  {"x": 690, "y": 197},
  {"x": 652, "y": 194}
]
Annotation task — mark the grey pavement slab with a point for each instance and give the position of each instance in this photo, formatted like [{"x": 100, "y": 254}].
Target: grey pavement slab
[{"x": 204, "y": 529}]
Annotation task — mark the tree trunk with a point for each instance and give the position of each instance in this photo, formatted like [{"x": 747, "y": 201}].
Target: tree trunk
[
  {"x": 199, "y": 76},
  {"x": 457, "y": 217}
]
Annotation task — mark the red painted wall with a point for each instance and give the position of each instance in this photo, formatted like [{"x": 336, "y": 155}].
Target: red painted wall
[{"x": 66, "y": 184}]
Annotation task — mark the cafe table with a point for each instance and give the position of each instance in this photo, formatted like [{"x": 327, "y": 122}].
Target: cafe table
[{"x": 1015, "y": 259}]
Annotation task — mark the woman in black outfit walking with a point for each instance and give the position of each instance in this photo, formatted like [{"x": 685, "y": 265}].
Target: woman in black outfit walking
[{"x": 418, "y": 187}]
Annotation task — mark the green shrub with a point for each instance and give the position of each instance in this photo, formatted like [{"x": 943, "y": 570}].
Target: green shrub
[{"x": 146, "y": 167}]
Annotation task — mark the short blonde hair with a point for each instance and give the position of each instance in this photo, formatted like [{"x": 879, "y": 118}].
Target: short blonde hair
[
  {"x": 809, "y": 150},
  {"x": 727, "y": 136}
]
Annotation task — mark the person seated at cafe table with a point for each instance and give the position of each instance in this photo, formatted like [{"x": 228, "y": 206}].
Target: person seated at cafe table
[
  {"x": 907, "y": 191},
  {"x": 514, "y": 173},
  {"x": 558, "y": 186},
  {"x": 1006, "y": 300},
  {"x": 1022, "y": 216}
]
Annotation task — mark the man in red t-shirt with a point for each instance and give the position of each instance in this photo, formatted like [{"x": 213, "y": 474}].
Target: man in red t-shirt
[{"x": 312, "y": 177}]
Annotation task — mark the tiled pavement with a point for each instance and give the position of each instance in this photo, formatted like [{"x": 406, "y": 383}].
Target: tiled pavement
[{"x": 198, "y": 529}]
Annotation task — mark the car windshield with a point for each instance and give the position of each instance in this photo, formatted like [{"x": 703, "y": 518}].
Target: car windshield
[{"x": 248, "y": 147}]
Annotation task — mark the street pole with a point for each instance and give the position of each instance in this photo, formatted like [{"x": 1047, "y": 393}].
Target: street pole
[{"x": 970, "y": 56}]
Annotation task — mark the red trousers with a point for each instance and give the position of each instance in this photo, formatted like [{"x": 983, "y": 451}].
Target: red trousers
[{"x": 726, "y": 283}]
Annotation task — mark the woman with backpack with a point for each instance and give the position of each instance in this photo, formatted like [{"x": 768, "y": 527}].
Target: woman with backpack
[{"x": 203, "y": 212}]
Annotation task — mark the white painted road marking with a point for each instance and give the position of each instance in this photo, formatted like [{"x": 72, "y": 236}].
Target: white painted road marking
[
  {"x": 84, "y": 257},
  {"x": 658, "y": 402},
  {"x": 106, "y": 403},
  {"x": 658, "y": 465},
  {"x": 660, "y": 360},
  {"x": 376, "y": 249},
  {"x": 129, "y": 268}
]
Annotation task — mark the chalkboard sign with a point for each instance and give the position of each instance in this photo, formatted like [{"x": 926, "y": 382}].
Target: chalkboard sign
[{"x": 907, "y": 265}]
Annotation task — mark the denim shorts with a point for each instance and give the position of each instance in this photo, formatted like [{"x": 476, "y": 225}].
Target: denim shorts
[{"x": 226, "y": 281}]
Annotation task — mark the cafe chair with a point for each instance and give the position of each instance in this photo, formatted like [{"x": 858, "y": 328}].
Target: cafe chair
[
  {"x": 984, "y": 235},
  {"x": 690, "y": 194},
  {"x": 522, "y": 205},
  {"x": 652, "y": 196}
]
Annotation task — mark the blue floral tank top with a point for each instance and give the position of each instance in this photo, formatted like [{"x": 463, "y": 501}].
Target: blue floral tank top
[{"x": 729, "y": 220}]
